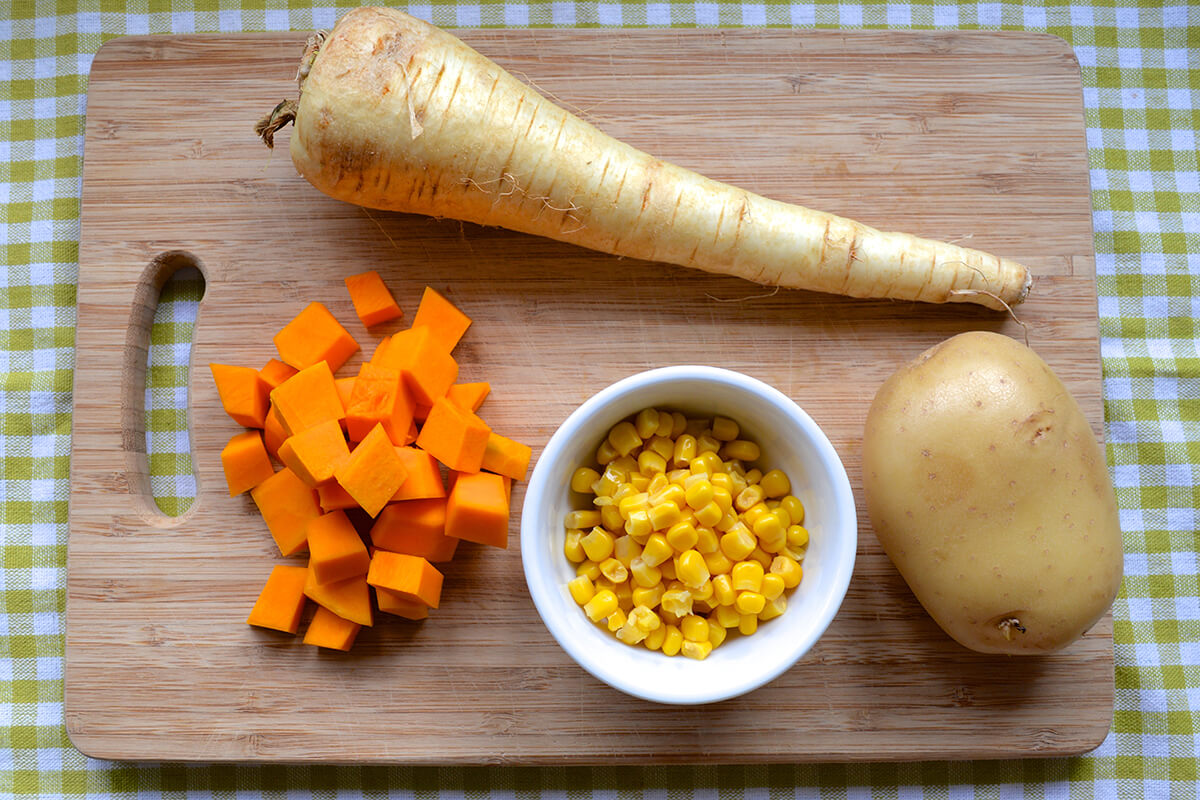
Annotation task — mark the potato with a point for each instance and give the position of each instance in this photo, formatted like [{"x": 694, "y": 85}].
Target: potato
[{"x": 989, "y": 492}]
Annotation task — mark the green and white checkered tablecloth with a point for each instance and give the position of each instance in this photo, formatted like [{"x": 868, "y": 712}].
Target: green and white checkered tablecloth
[{"x": 1141, "y": 73}]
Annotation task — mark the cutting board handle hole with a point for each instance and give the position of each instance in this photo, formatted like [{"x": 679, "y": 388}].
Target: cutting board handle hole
[{"x": 157, "y": 429}]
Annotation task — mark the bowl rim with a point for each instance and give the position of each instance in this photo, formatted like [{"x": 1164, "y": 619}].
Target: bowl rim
[{"x": 821, "y": 617}]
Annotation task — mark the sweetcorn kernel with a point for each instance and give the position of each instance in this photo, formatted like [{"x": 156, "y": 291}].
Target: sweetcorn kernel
[
  {"x": 655, "y": 638},
  {"x": 706, "y": 540},
  {"x": 694, "y": 628},
  {"x": 614, "y": 570},
  {"x": 748, "y": 624},
  {"x": 775, "y": 483},
  {"x": 750, "y": 602},
  {"x": 794, "y": 508},
  {"x": 684, "y": 451},
  {"x": 716, "y": 633},
  {"x": 682, "y": 536},
  {"x": 646, "y": 423},
  {"x": 615, "y": 620},
  {"x": 797, "y": 536},
  {"x": 650, "y": 462},
  {"x": 589, "y": 568},
  {"x": 624, "y": 438},
  {"x": 788, "y": 569},
  {"x": 601, "y": 606},
  {"x": 724, "y": 429},
  {"x": 697, "y": 650},
  {"x": 745, "y": 575},
  {"x": 598, "y": 544},
  {"x": 672, "y": 641},
  {"x": 741, "y": 449},
  {"x": 727, "y": 616},
  {"x": 691, "y": 568},
  {"x": 723, "y": 591},
  {"x": 648, "y": 596},
  {"x": 772, "y": 586},
  {"x": 573, "y": 547},
  {"x": 583, "y": 478},
  {"x": 581, "y": 589},
  {"x": 656, "y": 550},
  {"x": 643, "y": 573}
]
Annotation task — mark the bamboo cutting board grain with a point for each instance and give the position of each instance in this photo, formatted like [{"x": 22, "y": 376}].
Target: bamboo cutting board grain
[{"x": 962, "y": 136}]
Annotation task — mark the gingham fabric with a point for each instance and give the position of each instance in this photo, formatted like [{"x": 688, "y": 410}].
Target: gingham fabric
[{"x": 1141, "y": 73}]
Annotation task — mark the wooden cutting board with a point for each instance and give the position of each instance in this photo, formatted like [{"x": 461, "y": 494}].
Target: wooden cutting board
[{"x": 976, "y": 137}]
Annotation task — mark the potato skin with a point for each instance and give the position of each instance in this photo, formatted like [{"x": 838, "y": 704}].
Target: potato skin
[{"x": 989, "y": 492}]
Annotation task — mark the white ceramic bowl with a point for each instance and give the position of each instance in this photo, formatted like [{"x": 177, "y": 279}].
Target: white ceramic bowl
[{"x": 789, "y": 440}]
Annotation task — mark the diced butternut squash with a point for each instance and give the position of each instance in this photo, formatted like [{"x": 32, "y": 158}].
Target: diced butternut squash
[
  {"x": 315, "y": 453},
  {"x": 345, "y": 388},
  {"x": 446, "y": 321},
  {"x": 281, "y": 601},
  {"x": 349, "y": 599},
  {"x": 373, "y": 302},
  {"x": 373, "y": 472},
  {"x": 332, "y": 497},
  {"x": 454, "y": 436},
  {"x": 315, "y": 335},
  {"x": 308, "y": 398},
  {"x": 395, "y": 603},
  {"x": 424, "y": 475},
  {"x": 329, "y": 630},
  {"x": 469, "y": 395},
  {"x": 379, "y": 396},
  {"x": 275, "y": 372},
  {"x": 427, "y": 365},
  {"x": 245, "y": 462},
  {"x": 477, "y": 509},
  {"x": 287, "y": 505},
  {"x": 273, "y": 433},
  {"x": 335, "y": 550},
  {"x": 411, "y": 577},
  {"x": 416, "y": 528},
  {"x": 243, "y": 393},
  {"x": 381, "y": 348},
  {"x": 506, "y": 457}
]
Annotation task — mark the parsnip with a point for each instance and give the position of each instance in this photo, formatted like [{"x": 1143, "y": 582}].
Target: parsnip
[{"x": 399, "y": 115}]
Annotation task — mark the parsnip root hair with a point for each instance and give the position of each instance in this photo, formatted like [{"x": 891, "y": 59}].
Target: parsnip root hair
[{"x": 396, "y": 114}]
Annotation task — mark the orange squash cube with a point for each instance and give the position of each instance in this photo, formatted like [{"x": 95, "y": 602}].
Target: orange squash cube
[
  {"x": 245, "y": 462},
  {"x": 427, "y": 365},
  {"x": 373, "y": 472},
  {"x": 395, "y": 603},
  {"x": 243, "y": 393},
  {"x": 373, "y": 302},
  {"x": 335, "y": 550},
  {"x": 333, "y": 497},
  {"x": 329, "y": 630},
  {"x": 315, "y": 453},
  {"x": 477, "y": 509},
  {"x": 469, "y": 395},
  {"x": 275, "y": 372},
  {"x": 416, "y": 528},
  {"x": 442, "y": 317},
  {"x": 454, "y": 436},
  {"x": 287, "y": 505},
  {"x": 273, "y": 433},
  {"x": 506, "y": 457},
  {"x": 281, "y": 601},
  {"x": 379, "y": 396},
  {"x": 308, "y": 398},
  {"x": 424, "y": 476},
  {"x": 349, "y": 599},
  {"x": 411, "y": 577},
  {"x": 315, "y": 335}
]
